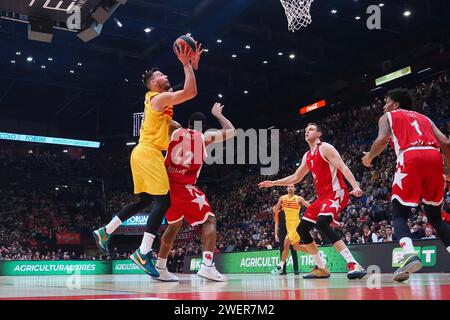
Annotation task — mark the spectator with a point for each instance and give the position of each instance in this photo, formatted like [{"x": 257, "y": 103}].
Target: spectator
[{"x": 429, "y": 233}]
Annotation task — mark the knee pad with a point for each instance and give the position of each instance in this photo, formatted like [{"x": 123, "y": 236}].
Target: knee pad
[
  {"x": 433, "y": 213},
  {"x": 162, "y": 202},
  {"x": 303, "y": 230},
  {"x": 399, "y": 210},
  {"x": 323, "y": 225},
  {"x": 145, "y": 200}
]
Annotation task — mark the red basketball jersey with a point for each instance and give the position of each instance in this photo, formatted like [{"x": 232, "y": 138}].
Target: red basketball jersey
[
  {"x": 410, "y": 129},
  {"x": 327, "y": 178},
  {"x": 185, "y": 156}
]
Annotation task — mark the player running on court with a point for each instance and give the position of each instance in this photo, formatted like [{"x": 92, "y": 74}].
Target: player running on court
[
  {"x": 327, "y": 168},
  {"x": 184, "y": 160},
  {"x": 151, "y": 183},
  {"x": 419, "y": 175}
]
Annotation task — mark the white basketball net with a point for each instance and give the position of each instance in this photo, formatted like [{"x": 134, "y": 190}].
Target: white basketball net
[{"x": 297, "y": 13}]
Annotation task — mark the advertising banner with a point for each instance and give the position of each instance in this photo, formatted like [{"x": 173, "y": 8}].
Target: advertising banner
[
  {"x": 125, "y": 267},
  {"x": 385, "y": 256},
  {"x": 46, "y": 268},
  {"x": 68, "y": 238}
]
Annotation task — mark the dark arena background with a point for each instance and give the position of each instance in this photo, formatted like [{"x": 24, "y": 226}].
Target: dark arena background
[{"x": 72, "y": 108}]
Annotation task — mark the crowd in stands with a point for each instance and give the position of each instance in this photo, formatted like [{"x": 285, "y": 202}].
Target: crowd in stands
[{"x": 37, "y": 201}]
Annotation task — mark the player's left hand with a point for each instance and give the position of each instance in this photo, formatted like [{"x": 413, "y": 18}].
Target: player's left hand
[
  {"x": 217, "y": 109},
  {"x": 195, "y": 59},
  {"x": 357, "y": 192},
  {"x": 182, "y": 54},
  {"x": 367, "y": 162},
  {"x": 266, "y": 184}
]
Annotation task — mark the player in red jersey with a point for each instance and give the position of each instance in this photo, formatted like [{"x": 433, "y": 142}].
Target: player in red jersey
[
  {"x": 419, "y": 175},
  {"x": 184, "y": 160},
  {"x": 327, "y": 168}
]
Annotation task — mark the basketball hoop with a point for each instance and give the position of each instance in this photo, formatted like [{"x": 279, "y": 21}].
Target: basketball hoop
[{"x": 297, "y": 13}]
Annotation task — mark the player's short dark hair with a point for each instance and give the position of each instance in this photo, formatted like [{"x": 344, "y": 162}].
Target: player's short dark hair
[
  {"x": 401, "y": 96},
  {"x": 197, "y": 117},
  {"x": 148, "y": 75},
  {"x": 319, "y": 128}
]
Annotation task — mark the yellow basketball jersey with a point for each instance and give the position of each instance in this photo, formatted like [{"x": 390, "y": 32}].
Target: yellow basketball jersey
[
  {"x": 155, "y": 125},
  {"x": 291, "y": 207}
]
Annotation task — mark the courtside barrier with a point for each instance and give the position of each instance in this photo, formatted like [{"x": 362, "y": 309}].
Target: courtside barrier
[{"x": 385, "y": 256}]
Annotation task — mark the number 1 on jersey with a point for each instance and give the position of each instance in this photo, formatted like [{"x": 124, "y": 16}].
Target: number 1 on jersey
[{"x": 415, "y": 124}]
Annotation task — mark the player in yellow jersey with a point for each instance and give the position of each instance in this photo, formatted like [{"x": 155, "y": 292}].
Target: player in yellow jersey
[
  {"x": 291, "y": 204},
  {"x": 151, "y": 183}
]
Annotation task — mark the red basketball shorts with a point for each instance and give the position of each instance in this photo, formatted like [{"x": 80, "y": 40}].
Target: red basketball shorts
[
  {"x": 330, "y": 205},
  {"x": 188, "y": 202},
  {"x": 419, "y": 177}
]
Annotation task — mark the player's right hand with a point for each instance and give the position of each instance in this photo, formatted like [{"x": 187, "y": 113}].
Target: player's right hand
[
  {"x": 195, "y": 59},
  {"x": 266, "y": 184},
  {"x": 277, "y": 239},
  {"x": 357, "y": 192},
  {"x": 217, "y": 109},
  {"x": 183, "y": 55}
]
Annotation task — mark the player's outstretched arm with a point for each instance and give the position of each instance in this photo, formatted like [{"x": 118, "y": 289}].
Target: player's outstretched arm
[
  {"x": 380, "y": 143},
  {"x": 228, "y": 131},
  {"x": 444, "y": 142},
  {"x": 292, "y": 179},
  {"x": 189, "y": 90},
  {"x": 333, "y": 156}
]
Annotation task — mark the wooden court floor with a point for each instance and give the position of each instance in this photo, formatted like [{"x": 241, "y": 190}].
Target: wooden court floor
[{"x": 239, "y": 287}]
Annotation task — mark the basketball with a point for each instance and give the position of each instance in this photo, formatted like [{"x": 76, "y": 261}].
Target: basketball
[
  {"x": 185, "y": 41},
  {"x": 243, "y": 163}
]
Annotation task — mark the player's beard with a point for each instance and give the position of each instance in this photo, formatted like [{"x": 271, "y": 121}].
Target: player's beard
[{"x": 166, "y": 86}]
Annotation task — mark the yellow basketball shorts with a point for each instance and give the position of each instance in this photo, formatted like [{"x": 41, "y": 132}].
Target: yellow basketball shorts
[
  {"x": 148, "y": 170},
  {"x": 291, "y": 228}
]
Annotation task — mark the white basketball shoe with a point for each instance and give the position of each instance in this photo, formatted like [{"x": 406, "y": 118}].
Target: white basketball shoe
[
  {"x": 211, "y": 273},
  {"x": 166, "y": 276}
]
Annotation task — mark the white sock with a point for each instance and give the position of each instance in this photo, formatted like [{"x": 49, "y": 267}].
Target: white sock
[
  {"x": 318, "y": 260},
  {"x": 406, "y": 244},
  {"x": 281, "y": 265},
  {"x": 147, "y": 242},
  {"x": 113, "y": 225},
  {"x": 161, "y": 263},
  {"x": 347, "y": 255},
  {"x": 448, "y": 249},
  {"x": 208, "y": 258}
]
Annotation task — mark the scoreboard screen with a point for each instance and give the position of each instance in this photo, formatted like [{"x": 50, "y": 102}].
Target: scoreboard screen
[{"x": 137, "y": 122}]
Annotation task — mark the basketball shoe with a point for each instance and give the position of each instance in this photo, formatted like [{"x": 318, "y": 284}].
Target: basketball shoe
[
  {"x": 355, "y": 271},
  {"x": 145, "y": 262},
  {"x": 409, "y": 264},
  {"x": 166, "y": 276},
  {"x": 317, "y": 273},
  {"x": 277, "y": 270},
  {"x": 101, "y": 239},
  {"x": 211, "y": 273}
]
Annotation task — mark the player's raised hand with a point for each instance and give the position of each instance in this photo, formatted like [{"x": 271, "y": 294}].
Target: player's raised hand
[
  {"x": 183, "y": 54},
  {"x": 195, "y": 59},
  {"x": 266, "y": 184},
  {"x": 367, "y": 162},
  {"x": 217, "y": 109},
  {"x": 357, "y": 192}
]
